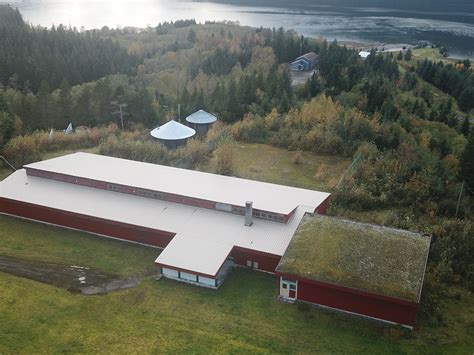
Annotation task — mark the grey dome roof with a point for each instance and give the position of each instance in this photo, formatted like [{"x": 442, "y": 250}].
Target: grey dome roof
[
  {"x": 201, "y": 117},
  {"x": 173, "y": 130}
]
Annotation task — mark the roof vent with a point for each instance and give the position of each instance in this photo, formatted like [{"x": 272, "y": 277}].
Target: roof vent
[{"x": 248, "y": 213}]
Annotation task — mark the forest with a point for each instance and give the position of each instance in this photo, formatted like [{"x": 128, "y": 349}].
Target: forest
[
  {"x": 407, "y": 124},
  {"x": 32, "y": 57}
]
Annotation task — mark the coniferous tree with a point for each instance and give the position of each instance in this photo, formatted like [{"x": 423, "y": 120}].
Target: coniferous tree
[
  {"x": 465, "y": 127},
  {"x": 65, "y": 104},
  {"x": 408, "y": 55},
  {"x": 36, "y": 54},
  {"x": 467, "y": 161}
]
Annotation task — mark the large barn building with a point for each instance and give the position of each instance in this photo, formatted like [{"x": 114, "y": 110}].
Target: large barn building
[{"x": 205, "y": 223}]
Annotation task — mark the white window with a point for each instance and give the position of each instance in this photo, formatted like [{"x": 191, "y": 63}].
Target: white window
[
  {"x": 249, "y": 263},
  {"x": 223, "y": 207},
  {"x": 187, "y": 276},
  {"x": 170, "y": 272},
  {"x": 255, "y": 265},
  {"x": 207, "y": 281}
]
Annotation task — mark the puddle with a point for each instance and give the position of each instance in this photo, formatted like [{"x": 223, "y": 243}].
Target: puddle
[{"x": 74, "y": 278}]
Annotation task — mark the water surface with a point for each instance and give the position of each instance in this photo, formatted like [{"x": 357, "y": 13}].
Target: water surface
[{"x": 449, "y": 23}]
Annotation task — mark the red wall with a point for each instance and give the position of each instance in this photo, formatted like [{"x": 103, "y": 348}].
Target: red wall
[
  {"x": 266, "y": 262},
  {"x": 323, "y": 207},
  {"x": 368, "y": 304},
  {"x": 87, "y": 223}
]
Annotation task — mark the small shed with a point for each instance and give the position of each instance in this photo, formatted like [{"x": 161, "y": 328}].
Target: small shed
[
  {"x": 305, "y": 62},
  {"x": 173, "y": 134},
  {"x": 201, "y": 121}
]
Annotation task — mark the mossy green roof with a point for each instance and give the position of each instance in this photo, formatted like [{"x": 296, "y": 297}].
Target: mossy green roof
[{"x": 366, "y": 257}]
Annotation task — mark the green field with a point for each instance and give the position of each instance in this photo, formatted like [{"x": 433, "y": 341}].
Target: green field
[
  {"x": 432, "y": 54},
  {"x": 243, "y": 316},
  {"x": 271, "y": 164},
  {"x": 38, "y": 242}
]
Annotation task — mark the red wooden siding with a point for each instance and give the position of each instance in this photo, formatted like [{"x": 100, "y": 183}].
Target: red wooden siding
[
  {"x": 373, "y": 305},
  {"x": 323, "y": 207},
  {"x": 87, "y": 223},
  {"x": 266, "y": 262}
]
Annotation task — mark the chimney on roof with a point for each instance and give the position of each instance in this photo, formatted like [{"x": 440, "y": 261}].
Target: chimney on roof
[{"x": 248, "y": 213}]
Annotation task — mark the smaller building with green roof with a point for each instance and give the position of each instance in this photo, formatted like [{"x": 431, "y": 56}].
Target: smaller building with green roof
[{"x": 357, "y": 267}]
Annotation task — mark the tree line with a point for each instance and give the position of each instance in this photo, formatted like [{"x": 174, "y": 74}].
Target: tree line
[
  {"x": 457, "y": 81},
  {"x": 30, "y": 55}
]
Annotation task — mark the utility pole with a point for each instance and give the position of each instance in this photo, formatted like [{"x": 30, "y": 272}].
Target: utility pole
[
  {"x": 7, "y": 162},
  {"x": 120, "y": 111},
  {"x": 459, "y": 199}
]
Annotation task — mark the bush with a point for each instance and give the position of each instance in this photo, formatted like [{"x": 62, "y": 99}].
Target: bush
[
  {"x": 26, "y": 149},
  {"x": 225, "y": 157},
  {"x": 251, "y": 129},
  {"x": 20, "y": 151},
  {"x": 135, "y": 146},
  {"x": 196, "y": 150}
]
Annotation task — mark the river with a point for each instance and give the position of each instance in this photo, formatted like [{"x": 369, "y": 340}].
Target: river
[{"x": 449, "y": 23}]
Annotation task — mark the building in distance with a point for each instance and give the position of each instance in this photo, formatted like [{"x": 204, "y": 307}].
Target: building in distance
[{"x": 306, "y": 62}]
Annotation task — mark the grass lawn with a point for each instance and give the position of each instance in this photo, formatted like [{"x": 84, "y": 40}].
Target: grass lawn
[
  {"x": 40, "y": 242},
  {"x": 271, "y": 164},
  {"x": 58, "y": 153},
  {"x": 432, "y": 54},
  {"x": 4, "y": 173},
  {"x": 243, "y": 316}
]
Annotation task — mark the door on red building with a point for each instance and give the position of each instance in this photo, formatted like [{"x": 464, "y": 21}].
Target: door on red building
[{"x": 288, "y": 288}]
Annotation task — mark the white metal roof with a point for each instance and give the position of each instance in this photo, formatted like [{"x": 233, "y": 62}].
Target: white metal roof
[
  {"x": 201, "y": 117},
  {"x": 191, "y": 252},
  {"x": 211, "y": 187},
  {"x": 310, "y": 57},
  {"x": 210, "y": 233},
  {"x": 173, "y": 130},
  {"x": 364, "y": 54}
]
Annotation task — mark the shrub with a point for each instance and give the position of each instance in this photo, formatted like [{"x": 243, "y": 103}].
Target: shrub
[
  {"x": 136, "y": 147},
  {"x": 225, "y": 157},
  {"x": 20, "y": 151},
  {"x": 196, "y": 150},
  {"x": 251, "y": 129},
  {"x": 26, "y": 149}
]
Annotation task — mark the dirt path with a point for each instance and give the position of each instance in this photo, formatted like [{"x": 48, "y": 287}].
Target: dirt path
[{"x": 73, "y": 278}]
